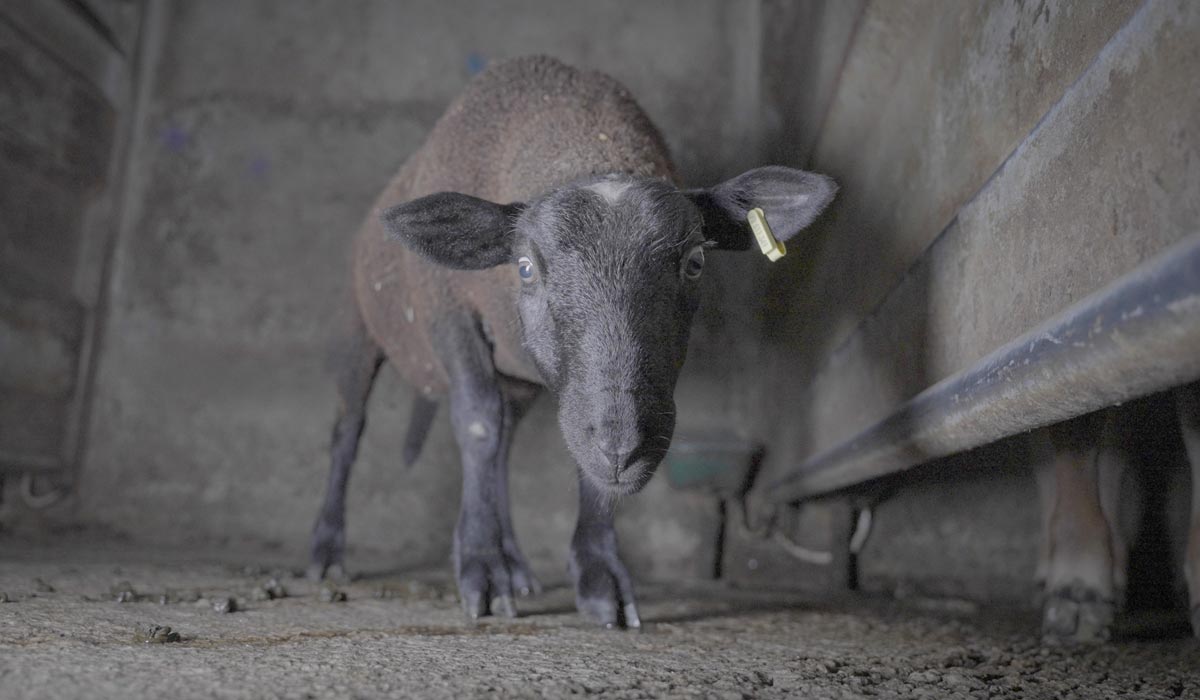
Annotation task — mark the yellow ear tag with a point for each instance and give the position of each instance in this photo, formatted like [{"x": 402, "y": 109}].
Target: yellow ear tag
[{"x": 771, "y": 247}]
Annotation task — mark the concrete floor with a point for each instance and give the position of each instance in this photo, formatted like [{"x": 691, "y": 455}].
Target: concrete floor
[{"x": 63, "y": 634}]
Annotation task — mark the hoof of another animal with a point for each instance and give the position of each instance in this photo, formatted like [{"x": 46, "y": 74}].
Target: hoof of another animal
[
  {"x": 333, "y": 572},
  {"x": 1077, "y": 616},
  {"x": 504, "y": 606},
  {"x": 337, "y": 573},
  {"x": 632, "y": 620},
  {"x": 474, "y": 605},
  {"x": 600, "y": 611}
]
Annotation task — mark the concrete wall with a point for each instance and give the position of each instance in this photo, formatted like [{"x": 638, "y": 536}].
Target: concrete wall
[
  {"x": 265, "y": 130},
  {"x": 999, "y": 161},
  {"x": 63, "y": 84}
]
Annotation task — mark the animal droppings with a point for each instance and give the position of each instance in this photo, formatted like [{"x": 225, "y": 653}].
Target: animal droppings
[
  {"x": 170, "y": 597},
  {"x": 271, "y": 590},
  {"x": 224, "y": 605},
  {"x": 156, "y": 634}
]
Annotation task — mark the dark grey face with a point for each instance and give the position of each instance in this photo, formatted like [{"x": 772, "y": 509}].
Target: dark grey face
[{"x": 610, "y": 270}]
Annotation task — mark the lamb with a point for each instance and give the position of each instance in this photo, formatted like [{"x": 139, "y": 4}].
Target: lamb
[{"x": 538, "y": 240}]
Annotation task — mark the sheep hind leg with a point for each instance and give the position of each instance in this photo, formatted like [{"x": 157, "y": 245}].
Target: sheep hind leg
[
  {"x": 356, "y": 372},
  {"x": 1188, "y": 403}
]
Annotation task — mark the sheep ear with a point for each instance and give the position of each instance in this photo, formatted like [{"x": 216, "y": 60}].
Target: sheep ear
[
  {"x": 455, "y": 230},
  {"x": 791, "y": 200}
]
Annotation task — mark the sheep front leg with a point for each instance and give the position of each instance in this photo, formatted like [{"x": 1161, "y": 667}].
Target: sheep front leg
[
  {"x": 1188, "y": 403},
  {"x": 487, "y": 564},
  {"x": 603, "y": 587},
  {"x": 1079, "y": 604},
  {"x": 518, "y": 395}
]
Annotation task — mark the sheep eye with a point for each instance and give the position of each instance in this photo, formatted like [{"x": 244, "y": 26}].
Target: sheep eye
[
  {"x": 693, "y": 264},
  {"x": 525, "y": 269}
]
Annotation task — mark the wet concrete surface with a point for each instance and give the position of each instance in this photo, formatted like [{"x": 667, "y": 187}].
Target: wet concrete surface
[{"x": 64, "y": 634}]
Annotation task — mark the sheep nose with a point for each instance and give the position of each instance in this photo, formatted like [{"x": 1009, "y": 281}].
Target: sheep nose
[
  {"x": 617, "y": 449},
  {"x": 616, "y": 460}
]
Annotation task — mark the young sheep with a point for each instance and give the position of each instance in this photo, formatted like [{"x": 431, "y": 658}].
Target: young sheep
[{"x": 537, "y": 238}]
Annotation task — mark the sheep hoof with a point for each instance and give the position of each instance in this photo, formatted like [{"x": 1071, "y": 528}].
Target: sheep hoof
[
  {"x": 604, "y": 592},
  {"x": 485, "y": 585},
  {"x": 524, "y": 583}
]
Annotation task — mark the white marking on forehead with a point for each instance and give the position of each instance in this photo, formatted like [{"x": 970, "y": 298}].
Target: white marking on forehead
[{"x": 610, "y": 190}]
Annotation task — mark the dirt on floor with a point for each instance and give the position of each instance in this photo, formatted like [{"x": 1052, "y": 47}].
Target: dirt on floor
[{"x": 90, "y": 620}]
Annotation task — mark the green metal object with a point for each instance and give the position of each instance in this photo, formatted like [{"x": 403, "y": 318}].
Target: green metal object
[{"x": 720, "y": 464}]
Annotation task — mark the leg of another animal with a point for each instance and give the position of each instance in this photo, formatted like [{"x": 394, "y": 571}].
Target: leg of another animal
[
  {"x": 483, "y": 422},
  {"x": 1119, "y": 508},
  {"x": 1041, "y": 458},
  {"x": 1079, "y": 584},
  {"x": 1188, "y": 402},
  {"x": 603, "y": 587},
  {"x": 355, "y": 375},
  {"x": 1120, "y": 500}
]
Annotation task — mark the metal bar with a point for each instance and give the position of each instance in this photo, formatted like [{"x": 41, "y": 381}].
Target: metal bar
[{"x": 1138, "y": 335}]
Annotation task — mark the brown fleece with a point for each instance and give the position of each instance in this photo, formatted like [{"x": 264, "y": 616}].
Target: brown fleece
[{"x": 520, "y": 128}]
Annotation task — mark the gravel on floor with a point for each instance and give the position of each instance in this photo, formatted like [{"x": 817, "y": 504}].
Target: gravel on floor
[{"x": 90, "y": 620}]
